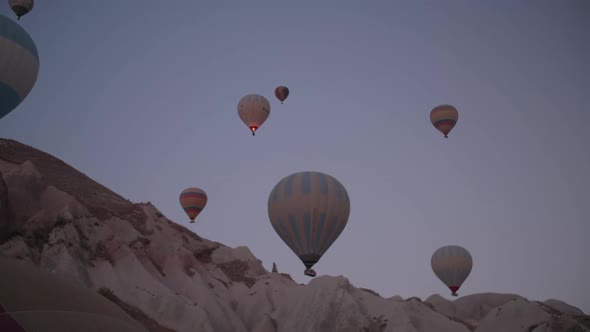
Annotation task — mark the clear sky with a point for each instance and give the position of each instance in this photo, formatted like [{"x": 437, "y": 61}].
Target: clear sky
[{"x": 141, "y": 96}]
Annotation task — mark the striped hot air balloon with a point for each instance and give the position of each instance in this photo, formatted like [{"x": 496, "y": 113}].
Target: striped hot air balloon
[
  {"x": 253, "y": 109},
  {"x": 19, "y": 65},
  {"x": 444, "y": 118},
  {"x": 281, "y": 92},
  {"x": 309, "y": 210},
  {"x": 21, "y": 7},
  {"x": 193, "y": 201},
  {"x": 452, "y": 265}
]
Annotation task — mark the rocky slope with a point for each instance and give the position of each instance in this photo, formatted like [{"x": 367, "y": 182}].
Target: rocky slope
[{"x": 170, "y": 279}]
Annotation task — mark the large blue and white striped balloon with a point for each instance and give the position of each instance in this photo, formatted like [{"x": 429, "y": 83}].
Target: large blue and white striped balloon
[
  {"x": 309, "y": 210},
  {"x": 19, "y": 65}
]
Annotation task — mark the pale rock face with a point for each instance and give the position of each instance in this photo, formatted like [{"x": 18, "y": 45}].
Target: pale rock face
[
  {"x": 59, "y": 206},
  {"x": 563, "y": 307},
  {"x": 509, "y": 312},
  {"x": 78, "y": 229},
  {"x": 333, "y": 304},
  {"x": 516, "y": 315},
  {"x": 470, "y": 309}
]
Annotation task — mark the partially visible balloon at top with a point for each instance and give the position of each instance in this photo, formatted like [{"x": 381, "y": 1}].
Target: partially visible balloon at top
[
  {"x": 444, "y": 118},
  {"x": 253, "y": 109},
  {"x": 21, "y": 7},
  {"x": 19, "y": 65},
  {"x": 281, "y": 92}
]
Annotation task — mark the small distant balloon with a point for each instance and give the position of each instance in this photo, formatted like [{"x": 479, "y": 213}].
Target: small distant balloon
[
  {"x": 21, "y": 7},
  {"x": 253, "y": 109},
  {"x": 452, "y": 265},
  {"x": 444, "y": 118},
  {"x": 19, "y": 65},
  {"x": 282, "y": 92},
  {"x": 193, "y": 201}
]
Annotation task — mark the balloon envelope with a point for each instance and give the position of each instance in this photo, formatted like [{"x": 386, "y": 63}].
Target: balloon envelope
[
  {"x": 193, "y": 201},
  {"x": 21, "y": 7},
  {"x": 309, "y": 210},
  {"x": 19, "y": 65},
  {"x": 253, "y": 109},
  {"x": 444, "y": 118},
  {"x": 452, "y": 265},
  {"x": 282, "y": 92},
  {"x": 32, "y": 299}
]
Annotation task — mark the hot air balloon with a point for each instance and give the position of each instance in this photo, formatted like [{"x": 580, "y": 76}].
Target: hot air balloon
[
  {"x": 253, "y": 109},
  {"x": 282, "y": 92},
  {"x": 309, "y": 210},
  {"x": 34, "y": 299},
  {"x": 21, "y": 7},
  {"x": 444, "y": 118},
  {"x": 193, "y": 201},
  {"x": 19, "y": 65},
  {"x": 452, "y": 265}
]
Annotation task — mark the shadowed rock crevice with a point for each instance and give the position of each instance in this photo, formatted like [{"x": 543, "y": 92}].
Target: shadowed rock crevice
[
  {"x": 204, "y": 255},
  {"x": 134, "y": 312},
  {"x": 370, "y": 291},
  {"x": 236, "y": 271}
]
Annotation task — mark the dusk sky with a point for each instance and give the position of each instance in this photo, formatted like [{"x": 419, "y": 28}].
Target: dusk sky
[{"x": 142, "y": 97}]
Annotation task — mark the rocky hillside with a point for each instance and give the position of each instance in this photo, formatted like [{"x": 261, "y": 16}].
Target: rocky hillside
[{"x": 170, "y": 279}]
